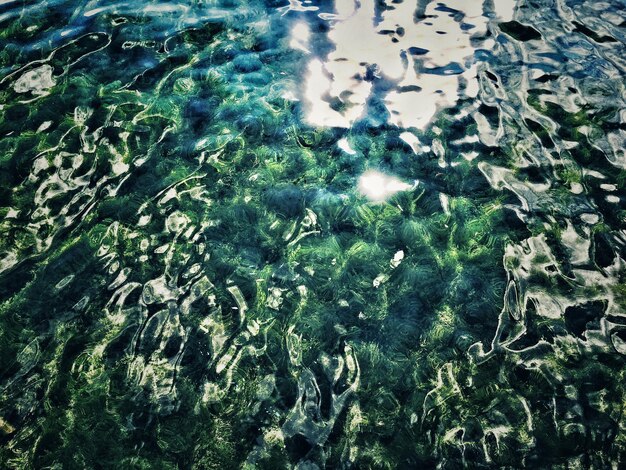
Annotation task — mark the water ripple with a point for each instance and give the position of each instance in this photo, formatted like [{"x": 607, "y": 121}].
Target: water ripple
[{"x": 298, "y": 234}]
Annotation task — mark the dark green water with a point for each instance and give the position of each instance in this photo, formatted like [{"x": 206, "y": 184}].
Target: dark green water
[{"x": 281, "y": 234}]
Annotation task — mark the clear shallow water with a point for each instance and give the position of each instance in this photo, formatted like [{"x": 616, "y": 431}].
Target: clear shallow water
[{"x": 312, "y": 235}]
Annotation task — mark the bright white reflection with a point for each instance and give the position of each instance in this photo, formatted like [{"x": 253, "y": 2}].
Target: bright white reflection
[
  {"x": 300, "y": 34},
  {"x": 319, "y": 112},
  {"x": 296, "y": 5},
  {"x": 378, "y": 187},
  {"x": 344, "y": 145},
  {"x": 426, "y": 63},
  {"x": 412, "y": 141}
]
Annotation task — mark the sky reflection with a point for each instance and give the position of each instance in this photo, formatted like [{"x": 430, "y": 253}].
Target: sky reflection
[{"x": 411, "y": 59}]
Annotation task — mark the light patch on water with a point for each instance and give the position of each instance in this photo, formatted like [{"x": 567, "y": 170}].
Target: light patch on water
[
  {"x": 67, "y": 32},
  {"x": 445, "y": 203},
  {"x": 590, "y": 219},
  {"x": 578, "y": 246},
  {"x": 344, "y": 145},
  {"x": 36, "y": 81},
  {"x": 504, "y": 9},
  {"x": 412, "y": 141},
  {"x": 379, "y": 187},
  {"x": 296, "y": 5},
  {"x": 469, "y": 156},
  {"x": 397, "y": 259},
  {"x": 274, "y": 298},
  {"x": 8, "y": 259},
  {"x": 162, "y": 249},
  {"x": 319, "y": 113},
  {"x": 144, "y": 220},
  {"x": 577, "y": 188},
  {"x": 12, "y": 213},
  {"x": 300, "y": 34},
  {"x": 119, "y": 168},
  {"x": 429, "y": 61},
  {"x": 95, "y": 11},
  {"x": 64, "y": 282},
  {"x": 44, "y": 125},
  {"x": 165, "y": 8}
]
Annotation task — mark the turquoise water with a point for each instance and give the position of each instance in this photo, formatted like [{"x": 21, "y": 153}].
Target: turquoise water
[{"x": 312, "y": 234}]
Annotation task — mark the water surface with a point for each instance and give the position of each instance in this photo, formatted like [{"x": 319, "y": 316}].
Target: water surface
[{"x": 312, "y": 234}]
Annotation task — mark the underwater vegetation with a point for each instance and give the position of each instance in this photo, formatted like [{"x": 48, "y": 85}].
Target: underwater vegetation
[{"x": 197, "y": 274}]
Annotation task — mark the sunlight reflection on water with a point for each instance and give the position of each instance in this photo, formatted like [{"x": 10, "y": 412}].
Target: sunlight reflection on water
[
  {"x": 378, "y": 187},
  {"x": 414, "y": 60}
]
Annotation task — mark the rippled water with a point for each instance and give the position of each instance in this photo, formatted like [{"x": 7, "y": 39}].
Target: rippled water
[{"x": 306, "y": 234}]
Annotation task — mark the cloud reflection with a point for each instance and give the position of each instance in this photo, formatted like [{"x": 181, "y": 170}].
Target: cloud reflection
[{"x": 412, "y": 59}]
